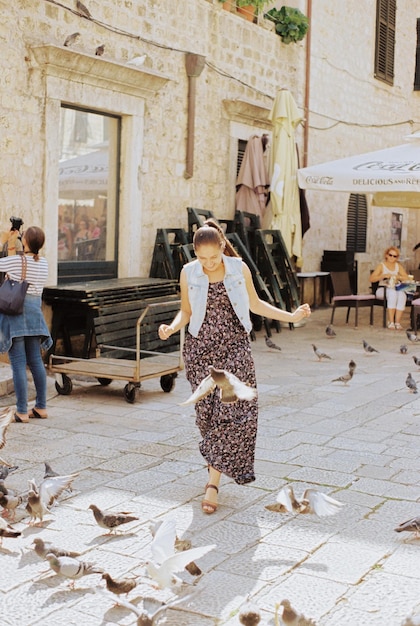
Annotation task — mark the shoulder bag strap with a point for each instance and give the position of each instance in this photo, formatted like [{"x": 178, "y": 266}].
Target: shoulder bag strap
[{"x": 24, "y": 266}]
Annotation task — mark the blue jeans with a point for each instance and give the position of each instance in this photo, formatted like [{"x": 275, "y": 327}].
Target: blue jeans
[{"x": 26, "y": 351}]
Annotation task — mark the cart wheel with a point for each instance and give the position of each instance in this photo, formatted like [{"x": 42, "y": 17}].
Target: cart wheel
[
  {"x": 130, "y": 392},
  {"x": 167, "y": 382},
  {"x": 66, "y": 388},
  {"x": 104, "y": 381}
]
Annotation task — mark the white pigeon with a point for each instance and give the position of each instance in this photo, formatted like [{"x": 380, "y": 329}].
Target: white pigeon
[
  {"x": 231, "y": 388},
  {"x": 41, "y": 498},
  {"x": 165, "y": 561},
  {"x": 6, "y": 416},
  {"x": 312, "y": 501},
  {"x": 137, "y": 61}
]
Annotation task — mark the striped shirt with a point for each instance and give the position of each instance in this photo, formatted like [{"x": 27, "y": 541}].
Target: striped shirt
[{"x": 36, "y": 271}]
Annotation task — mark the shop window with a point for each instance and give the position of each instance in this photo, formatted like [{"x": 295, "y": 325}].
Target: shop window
[
  {"x": 356, "y": 223},
  {"x": 385, "y": 40},
  {"x": 88, "y": 195},
  {"x": 417, "y": 74}
]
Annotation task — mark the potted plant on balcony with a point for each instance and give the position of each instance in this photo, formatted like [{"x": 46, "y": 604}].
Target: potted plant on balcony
[
  {"x": 248, "y": 8},
  {"x": 291, "y": 24}
]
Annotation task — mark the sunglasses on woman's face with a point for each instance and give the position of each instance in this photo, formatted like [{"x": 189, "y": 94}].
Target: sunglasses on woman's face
[{"x": 394, "y": 255}]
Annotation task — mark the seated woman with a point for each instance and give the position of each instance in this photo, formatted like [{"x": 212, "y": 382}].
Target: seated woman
[{"x": 388, "y": 274}]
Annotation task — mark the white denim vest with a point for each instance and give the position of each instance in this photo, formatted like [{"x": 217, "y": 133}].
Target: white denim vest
[{"x": 198, "y": 286}]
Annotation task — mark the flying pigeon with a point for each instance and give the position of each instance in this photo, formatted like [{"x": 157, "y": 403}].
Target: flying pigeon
[
  {"x": 180, "y": 546},
  {"x": 111, "y": 521},
  {"x": 166, "y": 562},
  {"x": 411, "y": 384},
  {"x": 319, "y": 354},
  {"x": 403, "y": 349},
  {"x": 137, "y": 61},
  {"x": 120, "y": 586},
  {"x": 290, "y": 617},
  {"x": 42, "y": 548},
  {"x": 100, "y": 50},
  {"x": 50, "y": 473},
  {"x": 83, "y": 10},
  {"x": 6, "y": 469},
  {"x": 7, "y": 531},
  {"x": 231, "y": 388},
  {"x": 6, "y": 416},
  {"x": 411, "y": 526},
  {"x": 411, "y": 336},
  {"x": 313, "y": 501},
  {"x": 368, "y": 349},
  {"x": 330, "y": 332},
  {"x": 249, "y": 614},
  {"x": 416, "y": 361},
  {"x": 71, "y": 568},
  {"x": 41, "y": 498},
  {"x": 71, "y": 39},
  {"x": 270, "y": 344},
  {"x": 152, "y": 608}
]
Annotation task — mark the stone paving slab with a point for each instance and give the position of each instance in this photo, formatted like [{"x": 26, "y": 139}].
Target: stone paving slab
[{"x": 358, "y": 442}]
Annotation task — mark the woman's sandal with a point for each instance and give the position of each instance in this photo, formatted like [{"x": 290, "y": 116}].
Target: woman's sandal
[
  {"x": 21, "y": 420},
  {"x": 34, "y": 413},
  {"x": 207, "y": 506}
]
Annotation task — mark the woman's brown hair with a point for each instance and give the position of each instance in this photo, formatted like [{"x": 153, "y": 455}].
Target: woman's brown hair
[
  {"x": 212, "y": 233},
  {"x": 34, "y": 238}
]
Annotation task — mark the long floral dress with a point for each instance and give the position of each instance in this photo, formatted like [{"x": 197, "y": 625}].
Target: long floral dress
[{"x": 228, "y": 430}]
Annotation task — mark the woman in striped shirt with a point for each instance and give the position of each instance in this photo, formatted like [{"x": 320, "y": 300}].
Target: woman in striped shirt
[{"x": 23, "y": 336}]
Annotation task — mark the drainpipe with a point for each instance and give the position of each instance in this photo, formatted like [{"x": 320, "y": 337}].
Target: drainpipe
[
  {"x": 307, "y": 84},
  {"x": 194, "y": 64}
]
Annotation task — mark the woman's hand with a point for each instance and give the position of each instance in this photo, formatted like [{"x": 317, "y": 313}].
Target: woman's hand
[
  {"x": 165, "y": 331},
  {"x": 303, "y": 311}
]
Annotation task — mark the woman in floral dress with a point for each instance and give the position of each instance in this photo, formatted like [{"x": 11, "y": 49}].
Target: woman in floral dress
[{"x": 217, "y": 294}]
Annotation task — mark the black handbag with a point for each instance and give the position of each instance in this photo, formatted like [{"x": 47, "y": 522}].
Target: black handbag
[{"x": 13, "y": 292}]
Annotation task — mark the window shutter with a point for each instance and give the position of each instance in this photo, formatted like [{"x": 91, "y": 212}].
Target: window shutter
[
  {"x": 242, "y": 143},
  {"x": 356, "y": 223},
  {"x": 385, "y": 40},
  {"x": 417, "y": 74}
]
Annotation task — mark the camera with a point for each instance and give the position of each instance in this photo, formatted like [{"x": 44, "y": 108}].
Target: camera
[{"x": 17, "y": 222}]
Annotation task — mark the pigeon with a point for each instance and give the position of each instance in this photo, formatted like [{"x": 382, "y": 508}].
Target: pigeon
[
  {"x": 10, "y": 504},
  {"x": 166, "y": 562},
  {"x": 6, "y": 416},
  {"x": 3, "y": 489},
  {"x": 7, "y": 531},
  {"x": 100, "y": 50},
  {"x": 290, "y": 617},
  {"x": 180, "y": 546},
  {"x": 71, "y": 568},
  {"x": 346, "y": 377},
  {"x": 152, "y": 608},
  {"x": 403, "y": 349},
  {"x": 231, "y": 388},
  {"x": 416, "y": 361},
  {"x": 41, "y": 498},
  {"x": 368, "y": 348},
  {"x": 42, "y": 548},
  {"x": 319, "y": 354},
  {"x": 249, "y": 614},
  {"x": 413, "y": 620},
  {"x": 330, "y": 332},
  {"x": 411, "y": 336},
  {"x": 137, "y": 61},
  {"x": 83, "y": 10},
  {"x": 409, "y": 381},
  {"x": 270, "y": 343},
  {"x": 71, "y": 39},
  {"x": 50, "y": 473},
  {"x": 313, "y": 502},
  {"x": 411, "y": 526},
  {"x": 120, "y": 586},
  {"x": 6, "y": 469},
  {"x": 111, "y": 521}
]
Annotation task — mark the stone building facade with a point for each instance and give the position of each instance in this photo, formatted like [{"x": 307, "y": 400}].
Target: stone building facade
[{"x": 349, "y": 111}]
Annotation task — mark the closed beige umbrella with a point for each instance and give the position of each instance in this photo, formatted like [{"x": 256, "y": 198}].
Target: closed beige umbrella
[{"x": 285, "y": 205}]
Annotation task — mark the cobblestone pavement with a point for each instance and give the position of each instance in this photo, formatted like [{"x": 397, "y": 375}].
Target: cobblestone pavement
[{"x": 358, "y": 442}]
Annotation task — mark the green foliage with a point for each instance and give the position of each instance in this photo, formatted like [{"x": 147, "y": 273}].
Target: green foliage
[
  {"x": 258, "y": 4},
  {"x": 291, "y": 24}
]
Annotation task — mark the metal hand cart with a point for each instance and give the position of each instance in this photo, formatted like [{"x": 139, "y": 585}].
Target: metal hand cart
[{"x": 134, "y": 371}]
